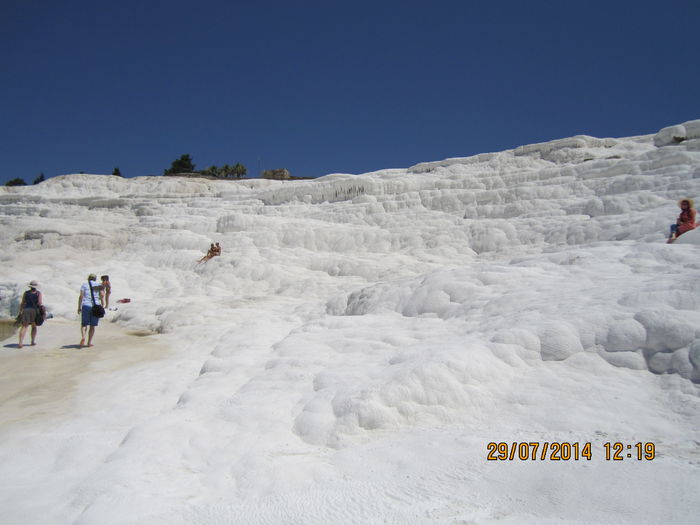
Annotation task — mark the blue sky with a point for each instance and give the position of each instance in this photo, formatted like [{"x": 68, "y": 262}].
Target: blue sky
[{"x": 335, "y": 86}]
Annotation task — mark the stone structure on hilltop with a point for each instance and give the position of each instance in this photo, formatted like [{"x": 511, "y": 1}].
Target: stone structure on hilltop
[{"x": 280, "y": 174}]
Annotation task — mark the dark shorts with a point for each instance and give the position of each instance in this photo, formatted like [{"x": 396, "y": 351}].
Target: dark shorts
[
  {"x": 89, "y": 319},
  {"x": 29, "y": 316}
]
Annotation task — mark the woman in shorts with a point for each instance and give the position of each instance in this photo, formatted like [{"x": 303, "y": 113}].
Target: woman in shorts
[
  {"x": 89, "y": 296},
  {"x": 29, "y": 312}
]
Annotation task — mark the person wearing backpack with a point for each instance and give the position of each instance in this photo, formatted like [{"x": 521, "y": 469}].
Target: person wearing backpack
[{"x": 30, "y": 312}]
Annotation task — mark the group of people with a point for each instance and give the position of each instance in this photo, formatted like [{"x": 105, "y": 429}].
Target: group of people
[
  {"x": 31, "y": 308},
  {"x": 214, "y": 250}
]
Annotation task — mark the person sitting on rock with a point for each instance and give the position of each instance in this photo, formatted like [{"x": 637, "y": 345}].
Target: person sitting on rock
[
  {"x": 686, "y": 220},
  {"x": 211, "y": 253}
]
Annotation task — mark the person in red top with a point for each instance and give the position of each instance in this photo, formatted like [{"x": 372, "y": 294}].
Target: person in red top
[{"x": 686, "y": 220}]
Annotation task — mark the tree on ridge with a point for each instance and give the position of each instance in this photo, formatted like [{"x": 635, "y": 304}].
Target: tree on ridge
[{"x": 182, "y": 165}]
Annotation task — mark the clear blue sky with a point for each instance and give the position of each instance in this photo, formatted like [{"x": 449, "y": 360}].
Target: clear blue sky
[{"x": 321, "y": 87}]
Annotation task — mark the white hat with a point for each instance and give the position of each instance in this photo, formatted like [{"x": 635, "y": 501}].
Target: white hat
[{"x": 33, "y": 284}]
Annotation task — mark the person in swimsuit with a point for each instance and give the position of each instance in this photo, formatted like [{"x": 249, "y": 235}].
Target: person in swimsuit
[
  {"x": 106, "y": 290},
  {"x": 209, "y": 254}
]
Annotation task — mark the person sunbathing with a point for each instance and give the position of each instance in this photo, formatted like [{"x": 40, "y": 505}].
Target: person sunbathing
[{"x": 209, "y": 254}]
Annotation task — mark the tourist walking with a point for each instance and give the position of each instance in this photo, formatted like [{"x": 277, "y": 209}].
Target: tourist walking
[
  {"x": 90, "y": 296},
  {"x": 30, "y": 312}
]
